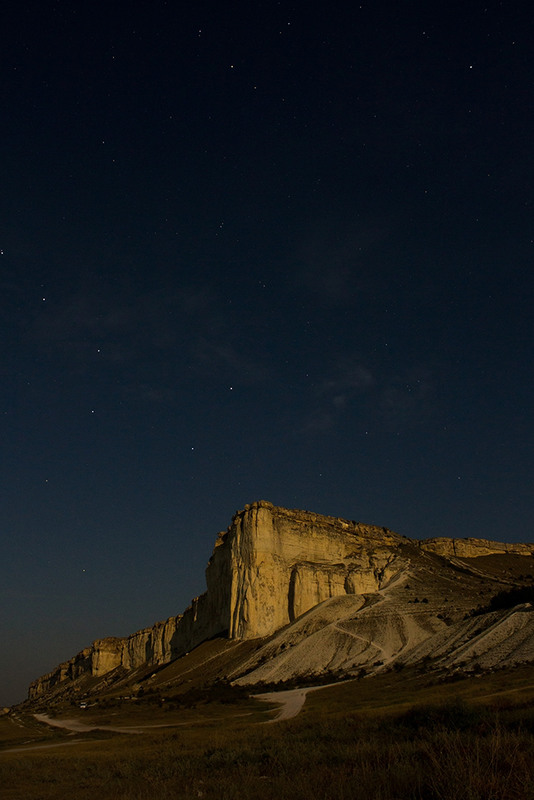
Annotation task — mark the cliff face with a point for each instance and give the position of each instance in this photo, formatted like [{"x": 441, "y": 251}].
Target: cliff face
[
  {"x": 473, "y": 548},
  {"x": 151, "y": 646},
  {"x": 267, "y": 569},
  {"x": 283, "y": 563}
]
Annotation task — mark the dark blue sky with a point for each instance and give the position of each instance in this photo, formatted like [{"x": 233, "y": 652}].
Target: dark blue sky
[{"x": 253, "y": 251}]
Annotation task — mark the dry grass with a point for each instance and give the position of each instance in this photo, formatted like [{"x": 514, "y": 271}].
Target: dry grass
[{"x": 369, "y": 740}]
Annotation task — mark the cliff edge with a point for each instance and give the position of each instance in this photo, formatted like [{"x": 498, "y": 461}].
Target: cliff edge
[{"x": 271, "y": 566}]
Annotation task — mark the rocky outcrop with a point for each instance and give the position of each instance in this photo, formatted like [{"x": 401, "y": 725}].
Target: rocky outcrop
[
  {"x": 283, "y": 563},
  {"x": 474, "y": 548},
  {"x": 270, "y": 567}
]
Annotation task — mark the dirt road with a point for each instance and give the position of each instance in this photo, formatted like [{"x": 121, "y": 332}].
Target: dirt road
[
  {"x": 27, "y": 747},
  {"x": 290, "y": 700},
  {"x": 72, "y": 725},
  {"x": 80, "y": 727}
]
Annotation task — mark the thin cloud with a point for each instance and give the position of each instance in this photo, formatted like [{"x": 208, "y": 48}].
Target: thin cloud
[
  {"x": 407, "y": 398},
  {"x": 333, "y": 258},
  {"x": 151, "y": 340},
  {"x": 395, "y": 401},
  {"x": 349, "y": 377},
  {"x": 223, "y": 356},
  {"x": 336, "y": 395}
]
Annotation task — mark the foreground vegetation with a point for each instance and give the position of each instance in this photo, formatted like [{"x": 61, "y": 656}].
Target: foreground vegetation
[{"x": 388, "y": 738}]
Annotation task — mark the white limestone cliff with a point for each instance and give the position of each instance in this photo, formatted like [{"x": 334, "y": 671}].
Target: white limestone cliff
[
  {"x": 267, "y": 569},
  {"x": 474, "y": 548},
  {"x": 285, "y": 562}
]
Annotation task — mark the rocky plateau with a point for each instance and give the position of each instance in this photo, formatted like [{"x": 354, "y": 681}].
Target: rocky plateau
[{"x": 293, "y": 594}]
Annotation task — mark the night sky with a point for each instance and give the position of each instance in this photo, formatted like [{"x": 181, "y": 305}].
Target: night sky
[{"x": 258, "y": 250}]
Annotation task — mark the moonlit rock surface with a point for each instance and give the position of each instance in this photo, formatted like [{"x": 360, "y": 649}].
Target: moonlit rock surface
[
  {"x": 269, "y": 568},
  {"x": 282, "y": 563},
  {"x": 473, "y": 548}
]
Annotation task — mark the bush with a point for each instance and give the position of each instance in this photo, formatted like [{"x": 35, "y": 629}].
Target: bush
[{"x": 507, "y": 599}]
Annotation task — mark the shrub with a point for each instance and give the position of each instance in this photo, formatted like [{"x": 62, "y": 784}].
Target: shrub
[{"x": 507, "y": 599}]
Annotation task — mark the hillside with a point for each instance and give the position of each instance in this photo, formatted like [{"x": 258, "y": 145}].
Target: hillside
[{"x": 292, "y": 594}]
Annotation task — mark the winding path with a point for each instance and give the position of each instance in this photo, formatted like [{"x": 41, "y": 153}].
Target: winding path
[
  {"x": 291, "y": 700},
  {"x": 80, "y": 727}
]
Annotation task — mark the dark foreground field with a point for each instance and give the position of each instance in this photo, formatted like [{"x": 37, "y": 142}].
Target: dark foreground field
[{"x": 385, "y": 738}]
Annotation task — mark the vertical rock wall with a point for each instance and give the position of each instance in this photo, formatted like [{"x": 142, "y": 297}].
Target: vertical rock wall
[
  {"x": 268, "y": 568},
  {"x": 282, "y": 563}
]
